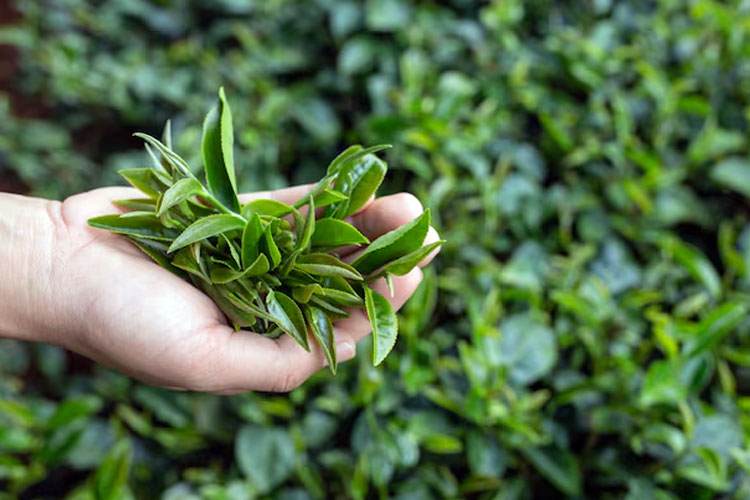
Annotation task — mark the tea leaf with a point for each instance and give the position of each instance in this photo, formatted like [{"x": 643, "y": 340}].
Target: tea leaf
[
  {"x": 358, "y": 180},
  {"x": 716, "y": 326},
  {"x": 273, "y": 208},
  {"x": 306, "y": 231},
  {"x": 320, "y": 264},
  {"x": 141, "y": 204},
  {"x": 302, "y": 294},
  {"x": 393, "y": 245},
  {"x": 322, "y": 329},
  {"x": 144, "y": 226},
  {"x": 146, "y": 180},
  {"x": 336, "y": 233},
  {"x": 384, "y": 324},
  {"x": 288, "y": 317},
  {"x": 339, "y": 297},
  {"x": 259, "y": 267},
  {"x": 251, "y": 236},
  {"x": 403, "y": 265},
  {"x": 207, "y": 227},
  {"x": 177, "y": 193},
  {"x": 268, "y": 246},
  {"x": 218, "y": 154}
]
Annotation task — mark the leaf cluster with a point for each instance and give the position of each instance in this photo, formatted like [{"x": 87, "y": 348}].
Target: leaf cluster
[{"x": 268, "y": 266}]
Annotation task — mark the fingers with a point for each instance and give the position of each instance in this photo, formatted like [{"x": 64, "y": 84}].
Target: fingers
[{"x": 245, "y": 361}]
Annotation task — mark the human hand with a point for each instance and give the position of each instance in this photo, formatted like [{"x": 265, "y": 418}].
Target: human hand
[{"x": 100, "y": 296}]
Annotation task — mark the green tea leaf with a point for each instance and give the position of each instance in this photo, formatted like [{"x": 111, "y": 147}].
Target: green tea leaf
[
  {"x": 323, "y": 331},
  {"x": 340, "y": 298},
  {"x": 336, "y": 233},
  {"x": 204, "y": 228},
  {"x": 251, "y": 236},
  {"x": 302, "y": 294},
  {"x": 143, "y": 226},
  {"x": 146, "y": 180},
  {"x": 288, "y": 317},
  {"x": 157, "y": 253},
  {"x": 716, "y": 326},
  {"x": 393, "y": 245},
  {"x": 305, "y": 233},
  {"x": 218, "y": 155},
  {"x": 140, "y": 204},
  {"x": 111, "y": 477},
  {"x": 358, "y": 180},
  {"x": 268, "y": 246},
  {"x": 351, "y": 155},
  {"x": 185, "y": 259},
  {"x": 327, "y": 197},
  {"x": 332, "y": 311},
  {"x": 170, "y": 156},
  {"x": 403, "y": 265},
  {"x": 733, "y": 173},
  {"x": 177, "y": 193},
  {"x": 384, "y": 324},
  {"x": 320, "y": 264},
  {"x": 221, "y": 275},
  {"x": 266, "y": 456},
  {"x": 273, "y": 208}
]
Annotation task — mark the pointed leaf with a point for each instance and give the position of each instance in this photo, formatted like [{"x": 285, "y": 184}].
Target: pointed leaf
[
  {"x": 340, "y": 298},
  {"x": 177, "y": 193},
  {"x": 358, "y": 181},
  {"x": 273, "y": 208},
  {"x": 207, "y": 227},
  {"x": 716, "y": 326},
  {"x": 351, "y": 155},
  {"x": 384, "y": 324},
  {"x": 251, "y": 236},
  {"x": 394, "y": 244},
  {"x": 142, "y": 225},
  {"x": 157, "y": 253},
  {"x": 288, "y": 317},
  {"x": 268, "y": 246},
  {"x": 167, "y": 154},
  {"x": 320, "y": 264},
  {"x": 336, "y": 233},
  {"x": 330, "y": 309},
  {"x": 403, "y": 265},
  {"x": 218, "y": 156},
  {"x": 307, "y": 230},
  {"x": 327, "y": 197},
  {"x": 302, "y": 294},
  {"x": 221, "y": 275},
  {"x": 184, "y": 259},
  {"x": 146, "y": 180},
  {"x": 141, "y": 204},
  {"x": 322, "y": 329}
]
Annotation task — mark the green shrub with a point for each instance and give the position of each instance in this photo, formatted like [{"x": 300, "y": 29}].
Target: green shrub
[{"x": 585, "y": 332}]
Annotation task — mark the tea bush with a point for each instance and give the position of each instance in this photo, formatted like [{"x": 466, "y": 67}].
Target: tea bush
[{"x": 585, "y": 332}]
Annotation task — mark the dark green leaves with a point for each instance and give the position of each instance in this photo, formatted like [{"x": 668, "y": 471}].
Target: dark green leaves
[
  {"x": 218, "y": 155},
  {"x": 263, "y": 263},
  {"x": 384, "y": 324},
  {"x": 393, "y": 245}
]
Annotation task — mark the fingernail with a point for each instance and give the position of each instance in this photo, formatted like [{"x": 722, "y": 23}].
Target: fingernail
[{"x": 345, "y": 351}]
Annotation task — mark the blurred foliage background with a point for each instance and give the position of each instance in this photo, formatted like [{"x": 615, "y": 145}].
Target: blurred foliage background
[{"x": 585, "y": 331}]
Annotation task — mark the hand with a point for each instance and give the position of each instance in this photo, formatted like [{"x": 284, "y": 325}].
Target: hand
[{"x": 103, "y": 298}]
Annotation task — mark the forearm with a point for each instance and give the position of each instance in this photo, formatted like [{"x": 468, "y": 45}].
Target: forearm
[{"x": 27, "y": 241}]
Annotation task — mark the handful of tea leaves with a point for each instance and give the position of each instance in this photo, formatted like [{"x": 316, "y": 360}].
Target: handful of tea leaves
[{"x": 266, "y": 273}]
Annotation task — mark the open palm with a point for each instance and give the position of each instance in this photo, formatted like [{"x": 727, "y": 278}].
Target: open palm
[{"x": 124, "y": 311}]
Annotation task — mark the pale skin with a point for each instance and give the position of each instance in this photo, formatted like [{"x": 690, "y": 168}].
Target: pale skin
[{"x": 93, "y": 292}]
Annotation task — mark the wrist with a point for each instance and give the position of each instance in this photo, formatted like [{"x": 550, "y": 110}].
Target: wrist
[{"x": 28, "y": 239}]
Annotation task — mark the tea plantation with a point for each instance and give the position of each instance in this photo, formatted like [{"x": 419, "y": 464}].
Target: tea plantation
[{"x": 585, "y": 331}]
